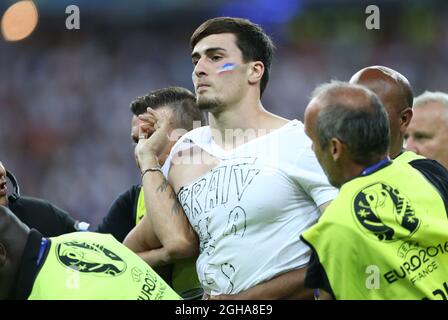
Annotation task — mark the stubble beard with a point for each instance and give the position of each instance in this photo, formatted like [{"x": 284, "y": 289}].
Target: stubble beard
[{"x": 209, "y": 105}]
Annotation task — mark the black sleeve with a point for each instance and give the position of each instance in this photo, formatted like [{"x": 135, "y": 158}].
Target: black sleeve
[
  {"x": 316, "y": 277},
  {"x": 436, "y": 174},
  {"x": 42, "y": 215},
  {"x": 120, "y": 219}
]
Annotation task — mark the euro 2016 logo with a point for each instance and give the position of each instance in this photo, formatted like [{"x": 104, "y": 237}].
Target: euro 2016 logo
[
  {"x": 386, "y": 213},
  {"x": 90, "y": 258}
]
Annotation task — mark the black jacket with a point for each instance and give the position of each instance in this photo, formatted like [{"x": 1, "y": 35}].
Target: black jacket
[
  {"x": 120, "y": 219},
  {"x": 43, "y": 216}
]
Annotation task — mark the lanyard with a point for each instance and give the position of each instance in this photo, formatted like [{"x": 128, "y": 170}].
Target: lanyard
[
  {"x": 376, "y": 166},
  {"x": 43, "y": 246}
]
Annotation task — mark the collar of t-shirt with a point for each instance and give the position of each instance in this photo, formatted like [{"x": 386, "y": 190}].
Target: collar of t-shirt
[
  {"x": 217, "y": 151},
  {"x": 376, "y": 166}
]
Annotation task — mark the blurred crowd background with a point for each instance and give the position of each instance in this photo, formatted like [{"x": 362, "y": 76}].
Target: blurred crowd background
[{"x": 65, "y": 94}]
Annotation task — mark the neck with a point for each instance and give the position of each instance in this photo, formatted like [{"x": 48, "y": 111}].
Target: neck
[
  {"x": 372, "y": 166},
  {"x": 395, "y": 151},
  {"x": 355, "y": 169},
  {"x": 4, "y": 201},
  {"x": 242, "y": 122}
]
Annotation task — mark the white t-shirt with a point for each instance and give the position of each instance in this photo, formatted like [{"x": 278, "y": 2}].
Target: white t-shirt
[{"x": 250, "y": 210}]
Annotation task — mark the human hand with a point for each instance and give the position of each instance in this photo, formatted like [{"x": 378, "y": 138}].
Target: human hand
[{"x": 155, "y": 125}]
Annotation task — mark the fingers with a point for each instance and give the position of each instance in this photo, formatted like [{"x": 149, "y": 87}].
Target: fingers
[
  {"x": 148, "y": 118},
  {"x": 153, "y": 120},
  {"x": 146, "y": 129},
  {"x": 153, "y": 112}
]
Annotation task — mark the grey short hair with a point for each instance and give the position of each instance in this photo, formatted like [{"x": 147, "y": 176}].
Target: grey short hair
[
  {"x": 363, "y": 127},
  {"x": 433, "y": 96}
]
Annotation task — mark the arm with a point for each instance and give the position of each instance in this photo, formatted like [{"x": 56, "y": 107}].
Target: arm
[
  {"x": 324, "y": 295},
  {"x": 168, "y": 220},
  {"x": 289, "y": 285},
  {"x": 67, "y": 222},
  {"x": 168, "y": 229},
  {"x": 118, "y": 220},
  {"x": 144, "y": 242}
]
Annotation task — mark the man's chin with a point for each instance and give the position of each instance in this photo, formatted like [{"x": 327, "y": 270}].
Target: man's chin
[
  {"x": 205, "y": 104},
  {"x": 4, "y": 201}
]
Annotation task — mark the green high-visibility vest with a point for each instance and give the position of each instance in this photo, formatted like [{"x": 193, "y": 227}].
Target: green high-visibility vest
[
  {"x": 184, "y": 278},
  {"x": 408, "y": 156},
  {"x": 93, "y": 266},
  {"x": 384, "y": 237}
]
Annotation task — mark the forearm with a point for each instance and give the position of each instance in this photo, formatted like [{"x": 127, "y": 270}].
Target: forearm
[
  {"x": 289, "y": 285},
  {"x": 156, "y": 257},
  {"x": 142, "y": 238},
  {"x": 169, "y": 221}
]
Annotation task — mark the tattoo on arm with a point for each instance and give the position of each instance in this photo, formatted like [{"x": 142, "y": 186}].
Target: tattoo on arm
[
  {"x": 176, "y": 205},
  {"x": 163, "y": 186},
  {"x": 176, "y": 208}
]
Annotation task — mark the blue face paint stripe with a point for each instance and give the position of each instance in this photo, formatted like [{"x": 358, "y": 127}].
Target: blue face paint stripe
[{"x": 226, "y": 67}]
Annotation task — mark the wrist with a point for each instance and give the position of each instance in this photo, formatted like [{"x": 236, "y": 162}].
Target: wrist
[
  {"x": 148, "y": 161},
  {"x": 153, "y": 169}
]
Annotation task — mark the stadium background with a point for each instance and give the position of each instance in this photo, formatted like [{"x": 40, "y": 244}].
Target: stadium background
[{"x": 64, "y": 94}]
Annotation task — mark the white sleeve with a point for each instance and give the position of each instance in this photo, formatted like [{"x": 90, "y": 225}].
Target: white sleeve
[
  {"x": 185, "y": 142},
  {"x": 180, "y": 145},
  {"x": 309, "y": 174}
]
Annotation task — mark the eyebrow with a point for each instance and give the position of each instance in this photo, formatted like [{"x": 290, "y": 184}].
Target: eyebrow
[{"x": 207, "y": 51}]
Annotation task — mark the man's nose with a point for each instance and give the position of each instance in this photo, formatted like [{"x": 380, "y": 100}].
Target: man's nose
[{"x": 200, "y": 69}]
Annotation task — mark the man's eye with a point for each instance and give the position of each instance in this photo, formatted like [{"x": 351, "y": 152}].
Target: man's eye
[
  {"x": 421, "y": 137},
  {"x": 216, "y": 58}
]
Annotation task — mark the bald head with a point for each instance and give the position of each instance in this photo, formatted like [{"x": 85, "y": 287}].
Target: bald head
[
  {"x": 395, "y": 92},
  {"x": 351, "y": 96},
  {"x": 349, "y": 128},
  {"x": 13, "y": 237},
  {"x": 386, "y": 82}
]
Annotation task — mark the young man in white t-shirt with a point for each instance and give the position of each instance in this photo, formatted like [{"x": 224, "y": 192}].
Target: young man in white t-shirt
[{"x": 240, "y": 191}]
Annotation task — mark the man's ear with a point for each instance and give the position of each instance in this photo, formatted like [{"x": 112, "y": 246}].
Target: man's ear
[
  {"x": 405, "y": 119},
  {"x": 2, "y": 255},
  {"x": 256, "y": 71},
  {"x": 336, "y": 147}
]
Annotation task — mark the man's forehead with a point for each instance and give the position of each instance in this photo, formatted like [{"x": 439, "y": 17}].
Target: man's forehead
[
  {"x": 433, "y": 111},
  {"x": 225, "y": 41}
]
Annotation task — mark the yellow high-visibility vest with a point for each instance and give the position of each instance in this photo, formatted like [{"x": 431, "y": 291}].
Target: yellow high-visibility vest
[
  {"x": 93, "y": 266},
  {"x": 384, "y": 237}
]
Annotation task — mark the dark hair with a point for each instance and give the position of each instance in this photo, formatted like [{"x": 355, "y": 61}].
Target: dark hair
[
  {"x": 364, "y": 128},
  {"x": 254, "y": 43},
  {"x": 180, "y": 100}
]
